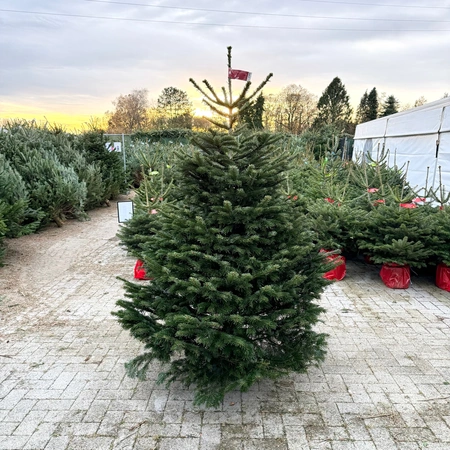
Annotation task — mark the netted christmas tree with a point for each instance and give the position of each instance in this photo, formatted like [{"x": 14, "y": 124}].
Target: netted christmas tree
[
  {"x": 18, "y": 217},
  {"x": 53, "y": 188},
  {"x": 110, "y": 165},
  {"x": 236, "y": 273}
]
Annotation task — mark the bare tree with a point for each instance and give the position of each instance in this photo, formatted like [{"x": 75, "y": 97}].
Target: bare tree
[
  {"x": 420, "y": 101},
  {"x": 130, "y": 114},
  {"x": 292, "y": 110}
]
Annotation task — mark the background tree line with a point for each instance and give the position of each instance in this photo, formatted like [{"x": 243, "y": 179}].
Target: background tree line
[{"x": 293, "y": 110}]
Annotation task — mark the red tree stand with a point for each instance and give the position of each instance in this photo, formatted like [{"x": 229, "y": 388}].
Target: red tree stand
[
  {"x": 139, "y": 271},
  {"x": 443, "y": 277},
  {"x": 338, "y": 273},
  {"x": 395, "y": 276}
]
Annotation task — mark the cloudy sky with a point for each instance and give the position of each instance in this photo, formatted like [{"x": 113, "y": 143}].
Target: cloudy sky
[{"x": 69, "y": 59}]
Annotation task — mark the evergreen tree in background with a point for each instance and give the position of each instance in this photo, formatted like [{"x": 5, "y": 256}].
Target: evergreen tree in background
[
  {"x": 110, "y": 164},
  {"x": 362, "y": 111},
  {"x": 368, "y": 106},
  {"x": 390, "y": 106},
  {"x": 253, "y": 116},
  {"x": 18, "y": 217},
  {"x": 334, "y": 107},
  {"x": 235, "y": 272},
  {"x": 3, "y": 229},
  {"x": 53, "y": 188},
  {"x": 392, "y": 234},
  {"x": 372, "y": 104}
]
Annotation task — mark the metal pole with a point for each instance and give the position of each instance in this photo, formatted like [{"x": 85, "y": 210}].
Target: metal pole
[
  {"x": 124, "y": 156},
  {"x": 124, "y": 160},
  {"x": 230, "y": 91}
]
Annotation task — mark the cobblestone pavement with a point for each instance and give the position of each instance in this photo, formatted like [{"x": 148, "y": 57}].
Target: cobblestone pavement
[{"x": 385, "y": 383}]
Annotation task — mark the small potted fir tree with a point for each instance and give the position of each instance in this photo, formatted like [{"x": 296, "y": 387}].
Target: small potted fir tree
[
  {"x": 334, "y": 222},
  {"x": 441, "y": 220},
  {"x": 398, "y": 238}
]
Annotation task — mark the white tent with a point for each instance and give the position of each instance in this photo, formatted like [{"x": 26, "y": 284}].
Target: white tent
[{"x": 419, "y": 137}]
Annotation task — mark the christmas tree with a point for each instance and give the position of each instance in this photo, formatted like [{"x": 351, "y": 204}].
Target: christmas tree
[
  {"x": 236, "y": 273},
  {"x": 390, "y": 233}
]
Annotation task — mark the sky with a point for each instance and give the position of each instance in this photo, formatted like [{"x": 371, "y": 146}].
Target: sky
[{"x": 66, "y": 61}]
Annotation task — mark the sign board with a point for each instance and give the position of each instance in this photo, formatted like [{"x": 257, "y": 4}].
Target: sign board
[
  {"x": 114, "y": 146},
  {"x": 125, "y": 211}
]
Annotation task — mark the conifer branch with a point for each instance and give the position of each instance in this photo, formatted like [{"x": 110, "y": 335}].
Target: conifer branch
[
  {"x": 225, "y": 96},
  {"x": 215, "y": 109},
  {"x": 218, "y": 124},
  {"x": 216, "y": 99}
]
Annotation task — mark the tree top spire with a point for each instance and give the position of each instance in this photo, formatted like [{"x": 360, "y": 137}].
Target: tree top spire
[{"x": 227, "y": 108}]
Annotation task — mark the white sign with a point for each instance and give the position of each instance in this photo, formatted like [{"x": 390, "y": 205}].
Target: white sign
[
  {"x": 114, "y": 146},
  {"x": 125, "y": 211}
]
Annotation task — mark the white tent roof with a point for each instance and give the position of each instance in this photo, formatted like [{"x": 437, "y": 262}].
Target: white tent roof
[
  {"x": 418, "y": 137},
  {"x": 423, "y": 119}
]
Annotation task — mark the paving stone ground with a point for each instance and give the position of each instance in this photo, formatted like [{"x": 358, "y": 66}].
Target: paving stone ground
[{"x": 385, "y": 383}]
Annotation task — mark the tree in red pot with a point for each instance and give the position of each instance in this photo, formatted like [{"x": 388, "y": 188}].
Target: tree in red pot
[
  {"x": 398, "y": 238},
  {"x": 442, "y": 251}
]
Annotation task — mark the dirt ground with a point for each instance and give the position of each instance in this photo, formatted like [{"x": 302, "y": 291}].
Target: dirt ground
[{"x": 35, "y": 260}]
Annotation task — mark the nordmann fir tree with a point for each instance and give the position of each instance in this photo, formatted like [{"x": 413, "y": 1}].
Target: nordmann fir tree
[{"x": 235, "y": 272}]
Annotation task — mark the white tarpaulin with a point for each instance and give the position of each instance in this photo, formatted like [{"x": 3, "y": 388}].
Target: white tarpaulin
[{"x": 418, "y": 139}]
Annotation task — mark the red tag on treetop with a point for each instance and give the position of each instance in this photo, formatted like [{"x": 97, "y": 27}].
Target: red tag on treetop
[{"x": 235, "y": 74}]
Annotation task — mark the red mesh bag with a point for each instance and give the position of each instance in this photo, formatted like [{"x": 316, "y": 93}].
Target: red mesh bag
[
  {"x": 443, "y": 277},
  {"x": 338, "y": 273},
  {"x": 395, "y": 276},
  {"x": 139, "y": 271}
]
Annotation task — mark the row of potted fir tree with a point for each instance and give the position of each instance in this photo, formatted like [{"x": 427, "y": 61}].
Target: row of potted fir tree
[
  {"x": 397, "y": 235},
  {"x": 367, "y": 208}
]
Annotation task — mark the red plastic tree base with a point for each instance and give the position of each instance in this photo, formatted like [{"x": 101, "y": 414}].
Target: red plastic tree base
[
  {"x": 443, "y": 277},
  {"x": 139, "y": 271},
  {"x": 395, "y": 276},
  {"x": 338, "y": 273}
]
